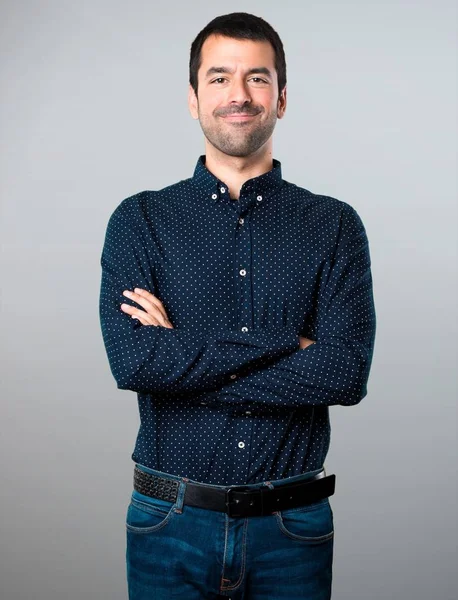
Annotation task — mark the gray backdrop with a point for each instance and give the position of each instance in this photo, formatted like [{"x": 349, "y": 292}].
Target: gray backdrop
[{"x": 93, "y": 109}]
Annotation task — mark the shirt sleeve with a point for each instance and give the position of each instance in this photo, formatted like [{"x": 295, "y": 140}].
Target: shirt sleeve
[
  {"x": 335, "y": 369},
  {"x": 155, "y": 359}
]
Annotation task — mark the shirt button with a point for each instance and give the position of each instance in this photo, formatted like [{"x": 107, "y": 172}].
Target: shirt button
[
  {"x": 259, "y": 198},
  {"x": 233, "y": 376},
  {"x": 214, "y": 196},
  {"x": 241, "y": 444},
  {"x": 242, "y": 272},
  {"x": 248, "y": 412},
  {"x": 241, "y": 220},
  {"x": 244, "y": 328},
  {"x": 222, "y": 190}
]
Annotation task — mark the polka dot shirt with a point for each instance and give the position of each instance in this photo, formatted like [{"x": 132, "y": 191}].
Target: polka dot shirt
[{"x": 227, "y": 396}]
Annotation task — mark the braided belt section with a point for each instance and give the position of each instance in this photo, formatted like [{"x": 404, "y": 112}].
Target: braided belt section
[{"x": 157, "y": 487}]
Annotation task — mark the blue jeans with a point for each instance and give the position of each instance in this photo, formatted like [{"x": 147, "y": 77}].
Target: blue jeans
[{"x": 179, "y": 551}]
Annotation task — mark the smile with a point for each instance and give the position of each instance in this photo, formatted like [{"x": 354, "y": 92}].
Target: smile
[{"x": 239, "y": 117}]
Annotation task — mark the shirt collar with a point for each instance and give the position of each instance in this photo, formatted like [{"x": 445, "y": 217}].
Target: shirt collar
[{"x": 217, "y": 190}]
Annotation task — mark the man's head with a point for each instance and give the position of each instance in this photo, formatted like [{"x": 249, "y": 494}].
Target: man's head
[{"x": 237, "y": 82}]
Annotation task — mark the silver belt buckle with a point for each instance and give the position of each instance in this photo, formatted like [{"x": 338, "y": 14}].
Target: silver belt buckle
[{"x": 251, "y": 505}]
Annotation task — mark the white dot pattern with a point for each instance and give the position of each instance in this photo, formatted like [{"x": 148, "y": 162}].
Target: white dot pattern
[{"x": 227, "y": 396}]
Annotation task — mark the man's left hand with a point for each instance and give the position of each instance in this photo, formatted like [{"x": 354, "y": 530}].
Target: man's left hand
[{"x": 154, "y": 313}]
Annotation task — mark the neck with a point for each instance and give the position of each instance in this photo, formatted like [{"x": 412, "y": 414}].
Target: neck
[{"x": 235, "y": 170}]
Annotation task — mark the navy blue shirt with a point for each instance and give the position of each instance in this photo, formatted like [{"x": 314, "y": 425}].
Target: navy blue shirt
[{"x": 227, "y": 396}]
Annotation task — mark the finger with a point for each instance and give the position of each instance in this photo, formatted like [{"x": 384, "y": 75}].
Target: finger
[
  {"x": 142, "y": 321},
  {"x": 152, "y": 305},
  {"x": 147, "y": 319},
  {"x": 151, "y": 298},
  {"x": 149, "y": 306},
  {"x": 132, "y": 310}
]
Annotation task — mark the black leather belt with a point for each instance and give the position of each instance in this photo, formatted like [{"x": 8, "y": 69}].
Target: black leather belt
[{"x": 237, "y": 501}]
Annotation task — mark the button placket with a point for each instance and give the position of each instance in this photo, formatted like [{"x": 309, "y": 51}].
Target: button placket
[
  {"x": 243, "y": 421},
  {"x": 243, "y": 250},
  {"x": 243, "y": 426}
]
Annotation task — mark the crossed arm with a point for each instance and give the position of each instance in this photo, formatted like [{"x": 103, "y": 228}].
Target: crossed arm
[
  {"x": 147, "y": 354},
  {"x": 153, "y": 312},
  {"x": 156, "y": 359}
]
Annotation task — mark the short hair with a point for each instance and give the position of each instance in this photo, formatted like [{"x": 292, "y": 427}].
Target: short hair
[{"x": 240, "y": 26}]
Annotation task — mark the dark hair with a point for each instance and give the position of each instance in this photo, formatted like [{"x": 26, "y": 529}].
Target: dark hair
[{"x": 240, "y": 26}]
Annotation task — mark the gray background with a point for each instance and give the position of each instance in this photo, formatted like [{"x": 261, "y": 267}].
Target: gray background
[{"x": 93, "y": 109}]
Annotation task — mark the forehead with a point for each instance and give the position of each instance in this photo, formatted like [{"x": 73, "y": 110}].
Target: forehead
[{"x": 218, "y": 50}]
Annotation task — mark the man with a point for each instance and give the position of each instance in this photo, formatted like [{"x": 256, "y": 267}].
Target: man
[{"x": 239, "y": 307}]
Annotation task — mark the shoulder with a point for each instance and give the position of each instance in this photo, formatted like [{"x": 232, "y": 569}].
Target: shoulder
[
  {"x": 136, "y": 208},
  {"x": 334, "y": 211}
]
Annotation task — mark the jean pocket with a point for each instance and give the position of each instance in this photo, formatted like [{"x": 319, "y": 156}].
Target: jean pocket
[
  {"x": 146, "y": 514},
  {"x": 311, "y": 523}
]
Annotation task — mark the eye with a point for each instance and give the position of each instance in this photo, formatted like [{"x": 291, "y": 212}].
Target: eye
[
  {"x": 258, "y": 80},
  {"x": 218, "y": 80}
]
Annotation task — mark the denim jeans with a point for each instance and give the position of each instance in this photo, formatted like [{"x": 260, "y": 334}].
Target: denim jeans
[{"x": 179, "y": 551}]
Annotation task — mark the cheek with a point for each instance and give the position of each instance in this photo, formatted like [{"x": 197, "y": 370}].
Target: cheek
[
  {"x": 205, "y": 112},
  {"x": 204, "y": 105},
  {"x": 266, "y": 99},
  {"x": 207, "y": 109}
]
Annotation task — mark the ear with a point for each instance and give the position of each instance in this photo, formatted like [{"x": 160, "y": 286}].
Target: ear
[
  {"x": 281, "y": 106},
  {"x": 192, "y": 102}
]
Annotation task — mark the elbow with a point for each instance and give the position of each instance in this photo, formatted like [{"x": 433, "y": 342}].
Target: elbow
[
  {"x": 356, "y": 388},
  {"x": 130, "y": 374},
  {"x": 126, "y": 380},
  {"x": 130, "y": 381},
  {"x": 126, "y": 384},
  {"x": 353, "y": 395},
  {"x": 143, "y": 383}
]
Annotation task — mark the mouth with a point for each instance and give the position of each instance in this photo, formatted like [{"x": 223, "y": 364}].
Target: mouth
[{"x": 239, "y": 117}]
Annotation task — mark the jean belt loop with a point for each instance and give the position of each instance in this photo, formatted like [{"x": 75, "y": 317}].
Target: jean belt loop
[{"x": 178, "y": 508}]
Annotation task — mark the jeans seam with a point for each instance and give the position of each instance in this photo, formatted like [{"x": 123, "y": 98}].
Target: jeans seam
[
  {"x": 300, "y": 538},
  {"x": 226, "y": 522},
  {"x": 242, "y": 571},
  {"x": 150, "y": 508},
  {"x": 153, "y": 528}
]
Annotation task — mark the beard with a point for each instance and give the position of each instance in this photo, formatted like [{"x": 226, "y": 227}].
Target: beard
[{"x": 240, "y": 139}]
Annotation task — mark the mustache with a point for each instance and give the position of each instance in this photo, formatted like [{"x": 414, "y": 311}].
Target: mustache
[{"x": 235, "y": 110}]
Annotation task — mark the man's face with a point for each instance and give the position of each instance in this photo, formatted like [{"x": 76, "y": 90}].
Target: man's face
[{"x": 237, "y": 101}]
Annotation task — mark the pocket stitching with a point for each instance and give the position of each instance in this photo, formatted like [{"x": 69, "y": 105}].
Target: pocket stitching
[
  {"x": 302, "y": 538},
  {"x": 140, "y": 530},
  {"x": 296, "y": 536},
  {"x": 151, "y": 508},
  {"x": 305, "y": 507}
]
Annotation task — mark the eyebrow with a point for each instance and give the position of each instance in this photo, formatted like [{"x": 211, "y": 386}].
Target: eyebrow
[{"x": 261, "y": 70}]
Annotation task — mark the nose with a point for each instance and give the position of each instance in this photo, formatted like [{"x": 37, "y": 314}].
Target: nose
[{"x": 239, "y": 92}]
